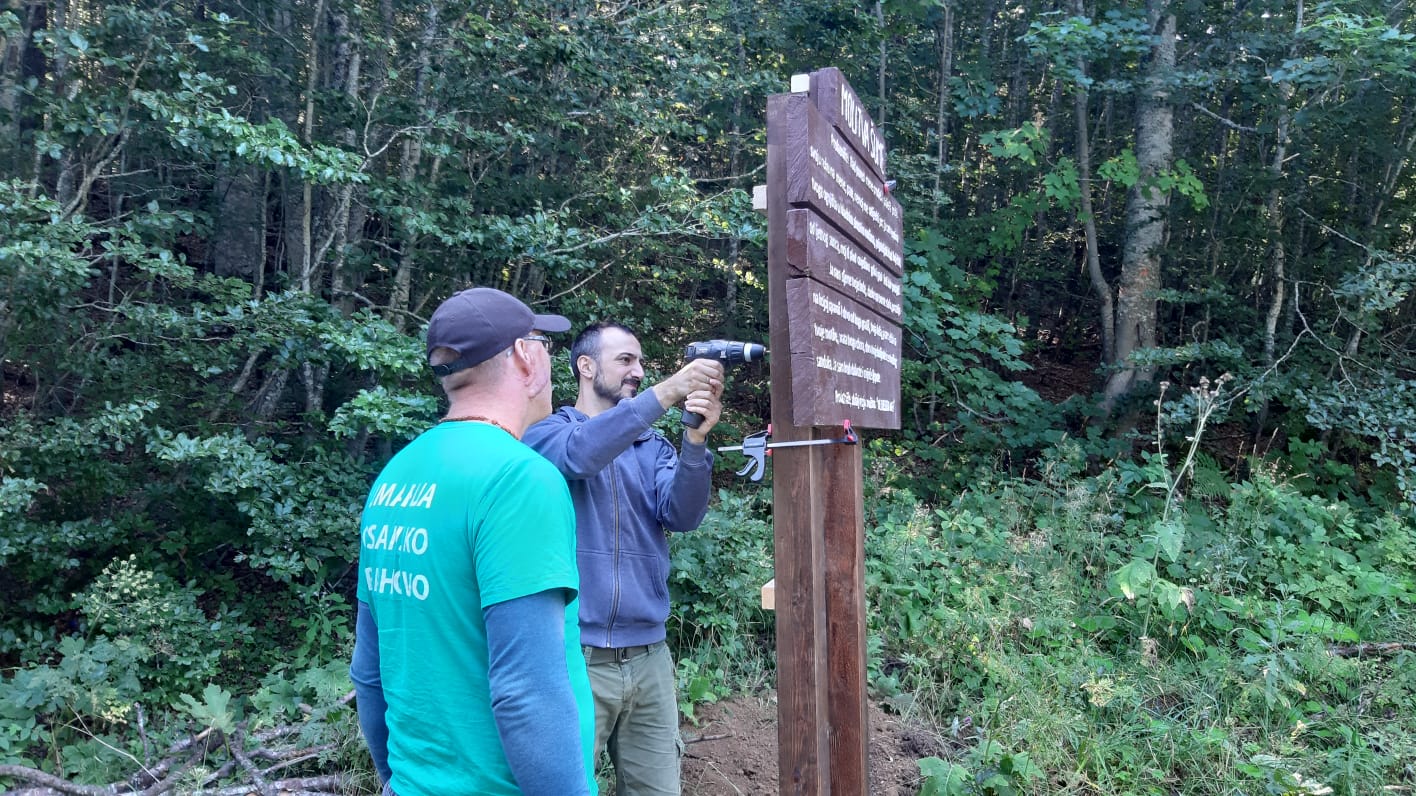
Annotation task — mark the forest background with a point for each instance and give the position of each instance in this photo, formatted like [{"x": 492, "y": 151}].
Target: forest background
[{"x": 1147, "y": 527}]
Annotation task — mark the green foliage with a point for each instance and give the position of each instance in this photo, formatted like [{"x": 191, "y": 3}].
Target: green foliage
[
  {"x": 85, "y": 717},
  {"x": 718, "y": 625},
  {"x": 962, "y": 359},
  {"x": 201, "y": 426},
  {"x": 1381, "y": 415},
  {"x": 1118, "y": 34},
  {"x": 214, "y": 709},
  {"x": 399, "y": 416},
  {"x": 42, "y": 264},
  {"x": 1025, "y": 144},
  {"x": 1154, "y": 622},
  {"x": 160, "y": 620},
  {"x": 989, "y": 769},
  {"x": 96, "y": 679},
  {"x": 1180, "y": 178},
  {"x": 90, "y": 683}
]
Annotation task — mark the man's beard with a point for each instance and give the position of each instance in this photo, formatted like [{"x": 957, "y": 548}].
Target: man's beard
[{"x": 616, "y": 393}]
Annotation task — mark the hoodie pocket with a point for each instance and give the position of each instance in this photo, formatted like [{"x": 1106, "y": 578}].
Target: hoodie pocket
[
  {"x": 597, "y": 590},
  {"x": 644, "y": 595}
]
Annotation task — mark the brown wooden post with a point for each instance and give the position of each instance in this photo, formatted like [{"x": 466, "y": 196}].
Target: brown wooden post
[
  {"x": 845, "y": 618},
  {"x": 802, "y": 704},
  {"x": 835, "y": 262}
]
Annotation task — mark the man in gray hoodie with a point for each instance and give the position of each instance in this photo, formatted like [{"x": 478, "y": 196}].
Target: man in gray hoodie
[{"x": 630, "y": 488}]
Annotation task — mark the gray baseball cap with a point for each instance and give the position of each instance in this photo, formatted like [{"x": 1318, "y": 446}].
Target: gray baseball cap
[{"x": 480, "y": 322}]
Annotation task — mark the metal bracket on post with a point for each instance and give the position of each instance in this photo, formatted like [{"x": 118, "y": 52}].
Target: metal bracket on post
[{"x": 757, "y": 448}]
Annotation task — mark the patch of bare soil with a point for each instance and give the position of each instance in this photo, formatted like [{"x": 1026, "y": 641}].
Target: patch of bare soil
[
  {"x": 1057, "y": 381},
  {"x": 732, "y": 751}
]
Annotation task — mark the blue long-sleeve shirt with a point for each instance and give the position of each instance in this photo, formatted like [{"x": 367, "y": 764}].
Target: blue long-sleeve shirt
[{"x": 629, "y": 487}]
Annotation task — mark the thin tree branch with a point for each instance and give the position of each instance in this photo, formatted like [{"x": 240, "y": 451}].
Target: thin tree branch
[
  {"x": 1226, "y": 122},
  {"x": 582, "y": 282}
]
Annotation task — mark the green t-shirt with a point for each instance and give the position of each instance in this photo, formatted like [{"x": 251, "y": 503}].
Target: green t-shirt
[{"x": 462, "y": 518}]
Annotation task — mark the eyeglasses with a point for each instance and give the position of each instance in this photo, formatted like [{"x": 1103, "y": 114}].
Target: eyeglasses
[{"x": 543, "y": 340}]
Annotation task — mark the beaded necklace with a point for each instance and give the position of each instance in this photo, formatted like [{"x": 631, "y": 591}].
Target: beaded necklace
[{"x": 480, "y": 419}]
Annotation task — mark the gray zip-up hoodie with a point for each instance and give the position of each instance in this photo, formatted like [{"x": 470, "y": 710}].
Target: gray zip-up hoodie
[{"x": 629, "y": 489}]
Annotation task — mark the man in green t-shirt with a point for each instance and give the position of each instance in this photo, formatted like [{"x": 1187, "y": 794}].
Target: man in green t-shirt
[{"x": 467, "y": 663}]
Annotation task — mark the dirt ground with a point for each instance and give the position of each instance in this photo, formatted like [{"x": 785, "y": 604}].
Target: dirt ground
[{"x": 732, "y": 751}]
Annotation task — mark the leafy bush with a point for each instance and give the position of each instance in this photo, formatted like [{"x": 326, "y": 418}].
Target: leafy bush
[
  {"x": 1026, "y": 610},
  {"x": 721, "y": 633},
  {"x": 178, "y": 646}
]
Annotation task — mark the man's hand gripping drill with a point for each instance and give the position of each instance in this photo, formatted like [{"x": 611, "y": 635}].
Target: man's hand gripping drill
[{"x": 728, "y": 352}]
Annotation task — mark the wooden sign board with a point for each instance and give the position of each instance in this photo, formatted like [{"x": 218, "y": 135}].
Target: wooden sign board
[
  {"x": 838, "y": 102},
  {"x": 824, "y": 173},
  {"x": 845, "y": 361},
  {"x": 845, "y": 258},
  {"x": 816, "y": 249}
]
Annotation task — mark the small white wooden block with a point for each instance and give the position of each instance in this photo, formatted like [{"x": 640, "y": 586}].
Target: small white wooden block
[
  {"x": 759, "y": 198},
  {"x": 769, "y": 595},
  {"x": 801, "y": 83}
]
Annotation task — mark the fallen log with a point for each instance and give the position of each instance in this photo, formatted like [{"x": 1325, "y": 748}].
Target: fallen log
[
  {"x": 240, "y": 775},
  {"x": 1371, "y": 648}
]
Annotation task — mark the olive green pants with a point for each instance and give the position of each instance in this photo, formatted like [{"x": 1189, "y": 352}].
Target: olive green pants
[{"x": 636, "y": 719}]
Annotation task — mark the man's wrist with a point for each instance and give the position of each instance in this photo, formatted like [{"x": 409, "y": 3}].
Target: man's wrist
[
  {"x": 650, "y": 410},
  {"x": 694, "y": 449},
  {"x": 665, "y": 398}
]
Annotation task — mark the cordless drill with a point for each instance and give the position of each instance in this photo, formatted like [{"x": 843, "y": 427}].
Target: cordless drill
[{"x": 728, "y": 352}]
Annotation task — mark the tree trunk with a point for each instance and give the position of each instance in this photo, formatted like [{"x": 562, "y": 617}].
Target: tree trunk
[
  {"x": 1275, "y": 209},
  {"x": 944, "y": 41},
  {"x": 1214, "y": 246},
  {"x": 307, "y": 134},
  {"x": 1275, "y": 212},
  {"x": 284, "y": 106},
  {"x": 408, "y": 168},
  {"x": 258, "y": 288},
  {"x": 1406, "y": 140},
  {"x": 1084, "y": 179},
  {"x": 1146, "y": 207},
  {"x": 347, "y": 227},
  {"x": 12, "y": 56},
  {"x": 884, "y": 60},
  {"x": 730, "y": 294},
  {"x": 238, "y": 240},
  {"x": 1277, "y": 252},
  {"x": 58, "y": 77},
  {"x": 986, "y": 29}
]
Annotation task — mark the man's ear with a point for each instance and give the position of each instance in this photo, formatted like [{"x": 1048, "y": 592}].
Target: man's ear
[
  {"x": 521, "y": 357},
  {"x": 525, "y": 363},
  {"x": 586, "y": 364}
]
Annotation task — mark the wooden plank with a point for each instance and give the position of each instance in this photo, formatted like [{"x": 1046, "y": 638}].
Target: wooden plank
[
  {"x": 837, "y": 101},
  {"x": 802, "y": 703},
  {"x": 844, "y": 519},
  {"x": 826, "y": 175},
  {"x": 845, "y": 360},
  {"x": 818, "y": 250},
  {"x": 769, "y": 595}
]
